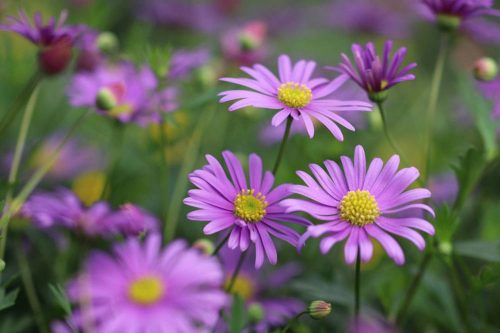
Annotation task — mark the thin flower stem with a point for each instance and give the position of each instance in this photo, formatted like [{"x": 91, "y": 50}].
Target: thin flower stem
[
  {"x": 16, "y": 162},
  {"x": 25, "y": 94},
  {"x": 236, "y": 272},
  {"x": 433, "y": 99},
  {"x": 413, "y": 288},
  {"x": 221, "y": 244},
  {"x": 283, "y": 144},
  {"x": 37, "y": 177},
  {"x": 357, "y": 286},
  {"x": 116, "y": 145},
  {"x": 291, "y": 321},
  {"x": 164, "y": 168},
  {"x": 30, "y": 290}
]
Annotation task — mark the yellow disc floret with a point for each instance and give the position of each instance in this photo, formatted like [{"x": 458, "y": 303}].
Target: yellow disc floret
[
  {"x": 249, "y": 206},
  {"x": 242, "y": 286},
  {"x": 146, "y": 290},
  {"x": 359, "y": 208},
  {"x": 294, "y": 95}
]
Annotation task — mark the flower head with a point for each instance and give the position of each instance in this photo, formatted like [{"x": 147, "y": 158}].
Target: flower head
[
  {"x": 245, "y": 46},
  {"x": 252, "y": 211},
  {"x": 373, "y": 73},
  {"x": 295, "y": 94},
  {"x": 360, "y": 204},
  {"x": 142, "y": 288},
  {"x": 63, "y": 209},
  {"x": 183, "y": 62}
]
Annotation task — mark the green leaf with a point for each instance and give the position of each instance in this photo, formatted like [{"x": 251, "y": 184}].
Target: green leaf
[
  {"x": 60, "y": 298},
  {"x": 238, "y": 318},
  {"x": 483, "y": 250},
  {"x": 8, "y": 299},
  {"x": 15, "y": 325},
  {"x": 468, "y": 171},
  {"x": 446, "y": 223}
]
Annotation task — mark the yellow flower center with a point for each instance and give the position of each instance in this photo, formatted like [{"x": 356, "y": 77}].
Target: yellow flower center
[
  {"x": 250, "y": 207},
  {"x": 146, "y": 290},
  {"x": 242, "y": 287},
  {"x": 89, "y": 186},
  {"x": 359, "y": 208},
  {"x": 294, "y": 95}
]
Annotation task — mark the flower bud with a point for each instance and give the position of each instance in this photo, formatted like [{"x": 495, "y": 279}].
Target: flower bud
[
  {"x": 319, "y": 309},
  {"x": 255, "y": 312},
  {"x": 2, "y": 265},
  {"x": 485, "y": 69},
  {"x": 445, "y": 248},
  {"x": 54, "y": 58},
  {"x": 447, "y": 22},
  {"x": 106, "y": 99},
  {"x": 205, "y": 246},
  {"x": 107, "y": 42}
]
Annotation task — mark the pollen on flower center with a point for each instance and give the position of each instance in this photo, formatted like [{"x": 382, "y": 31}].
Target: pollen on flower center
[
  {"x": 359, "y": 208},
  {"x": 294, "y": 95},
  {"x": 249, "y": 206},
  {"x": 146, "y": 290}
]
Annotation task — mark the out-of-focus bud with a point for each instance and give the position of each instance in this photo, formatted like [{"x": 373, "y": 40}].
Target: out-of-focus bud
[
  {"x": 255, "y": 312},
  {"x": 54, "y": 58},
  {"x": 447, "y": 22},
  {"x": 106, "y": 99},
  {"x": 319, "y": 309},
  {"x": 205, "y": 246},
  {"x": 2, "y": 265},
  {"x": 445, "y": 248},
  {"x": 107, "y": 42},
  {"x": 485, "y": 69}
]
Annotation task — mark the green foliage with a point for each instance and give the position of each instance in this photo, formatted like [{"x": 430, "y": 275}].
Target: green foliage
[
  {"x": 483, "y": 250},
  {"x": 60, "y": 297},
  {"x": 468, "y": 172},
  {"x": 238, "y": 319}
]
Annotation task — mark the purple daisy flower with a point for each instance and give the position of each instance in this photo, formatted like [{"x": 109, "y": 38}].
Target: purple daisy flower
[
  {"x": 256, "y": 288},
  {"x": 359, "y": 204},
  {"x": 458, "y": 11},
  {"x": 63, "y": 209},
  {"x": 142, "y": 288},
  {"x": 295, "y": 94},
  {"x": 54, "y": 39},
  {"x": 183, "y": 62},
  {"x": 131, "y": 91},
  {"x": 373, "y": 74},
  {"x": 251, "y": 211}
]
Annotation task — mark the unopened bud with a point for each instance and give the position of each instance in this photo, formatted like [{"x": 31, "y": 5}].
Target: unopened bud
[
  {"x": 445, "y": 248},
  {"x": 54, "y": 58},
  {"x": 448, "y": 22},
  {"x": 319, "y": 309},
  {"x": 205, "y": 246},
  {"x": 107, "y": 42},
  {"x": 106, "y": 99},
  {"x": 485, "y": 69},
  {"x": 255, "y": 313}
]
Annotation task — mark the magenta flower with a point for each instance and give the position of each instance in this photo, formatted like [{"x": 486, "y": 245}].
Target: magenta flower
[
  {"x": 246, "y": 45},
  {"x": 251, "y": 211},
  {"x": 63, "y": 209},
  {"x": 373, "y": 73},
  {"x": 257, "y": 288},
  {"x": 142, "y": 288},
  {"x": 360, "y": 204},
  {"x": 54, "y": 39},
  {"x": 295, "y": 94},
  {"x": 131, "y": 93}
]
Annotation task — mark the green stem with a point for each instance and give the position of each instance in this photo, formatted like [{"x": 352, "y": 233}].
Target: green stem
[
  {"x": 291, "y": 321},
  {"x": 283, "y": 144},
  {"x": 221, "y": 244},
  {"x": 37, "y": 177},
  {"x": 357, "y": 285},
  {"x": 413, "y": 287},
  {"x": 30, "y": 291},
  {"x": 433, "y": 99},
  {"x": 16, "y": 162},
  {"x": 459, "y": 295},
  {"x": 164, "y": 169},
  {"x": 116, "y": 148},
  {"x": 27, "y": 91},
  {"x": 236, "y": 272}
]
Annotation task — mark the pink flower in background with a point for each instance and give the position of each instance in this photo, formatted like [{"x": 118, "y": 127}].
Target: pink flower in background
[
  {"x": 142, "y": 288},
  {"x": 295, "y": 94},
  {"x": 245, "y": 46},
  {"x": 360, "y": 204},
  {"x": 183, "y": 62},
  {"x": 250, "y": 211}
]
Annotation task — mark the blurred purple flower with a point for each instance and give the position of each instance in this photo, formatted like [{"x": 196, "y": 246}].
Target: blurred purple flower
[
  {"x": 371, "y": 16},
  {"x": 256, "y": 288},
  {"x": 63, "y": 209},
  {"x": 252, "y": 213},
  {"x": 90, "y": 57},
  {"x": 246, "y": 45},
  {"x": 444, "y": 188},
  {"x": 491, "y": 90},
  {"x": 134, "y": 91},
  {"x": 142, "y": 288},
  {"x": 294, "y": 94},
  {"x": 183, "y": 62},
  {"x": 360, "y": 204},
  {"x": 373, "y": 73}
]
